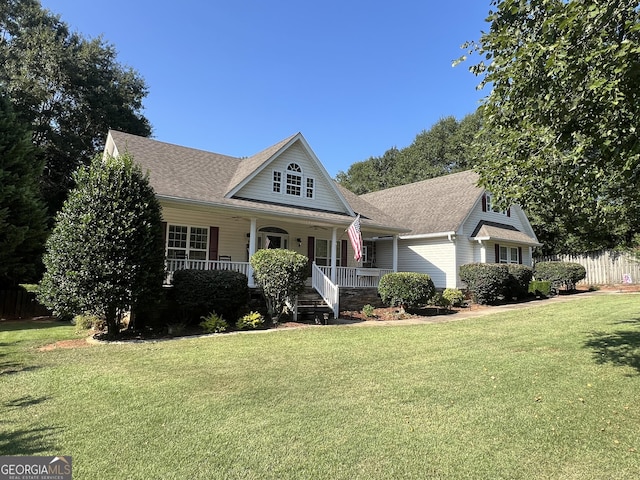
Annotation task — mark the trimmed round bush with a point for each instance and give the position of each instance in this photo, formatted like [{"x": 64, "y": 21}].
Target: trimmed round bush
[
  {"x": 406, "y": 289},
  {"x": 560, "y": 274},
  {"x": 487, "y": 282},
  {"x": 199, "y": 292},
  {"x": 519, "y": 278},
  {"x": 453, "y": 297},
  {"x": 281, "y": 273}
]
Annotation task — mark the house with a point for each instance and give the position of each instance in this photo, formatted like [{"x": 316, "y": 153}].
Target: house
[
  {"x": 218, "y": 210},
  {"x": 452, "y": 223}
]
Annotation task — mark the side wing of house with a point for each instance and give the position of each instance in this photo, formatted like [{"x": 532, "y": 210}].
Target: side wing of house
[
  {"x": 435, "y": 256},
  {"x": 488, "y": 235}
]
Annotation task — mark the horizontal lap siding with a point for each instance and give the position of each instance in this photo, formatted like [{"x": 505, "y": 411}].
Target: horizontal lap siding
[
  {"x": 232, "y": 237},
  {"x": 433, "y": 257},
  {"x": 261, "y": 187}
]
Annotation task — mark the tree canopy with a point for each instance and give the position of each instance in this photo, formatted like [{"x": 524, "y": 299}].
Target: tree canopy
[
  {"x": 22, "y": 212},
  {"x": 443, "y": 149},
  {"x": 70, "y": 89},
  {"x": 105, "y": 255},
  {"x": 563, "y": 116}
]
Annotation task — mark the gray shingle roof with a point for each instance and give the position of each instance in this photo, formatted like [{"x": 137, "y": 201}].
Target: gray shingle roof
[
  {"x": 195, "y": 175},
  {"x": 499, "y": 231},
  {"x": 431, "y": 206}
]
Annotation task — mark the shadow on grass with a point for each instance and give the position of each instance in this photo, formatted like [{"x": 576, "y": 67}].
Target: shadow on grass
[
  {"x": 33, "y": 441},
  {"x": 25, "y": 401},
  {"x": 31, "y": 324},
  {"x": 620, "y": 348},
  {"x": 11, "y": 368}
]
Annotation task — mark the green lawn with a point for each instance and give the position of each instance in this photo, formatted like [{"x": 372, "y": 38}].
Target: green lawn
[{"x": 546, "y": 392}]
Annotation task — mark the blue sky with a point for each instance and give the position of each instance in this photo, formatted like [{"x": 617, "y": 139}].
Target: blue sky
[{"x": 234, "y": 77}]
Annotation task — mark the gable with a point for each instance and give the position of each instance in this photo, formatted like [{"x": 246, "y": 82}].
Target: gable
[
  {"x": 498, "y": 225},
  {"x": 299, "y": 181}
]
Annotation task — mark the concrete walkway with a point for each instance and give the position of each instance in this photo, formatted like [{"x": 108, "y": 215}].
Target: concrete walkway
[{"x": 475, "y": 311}]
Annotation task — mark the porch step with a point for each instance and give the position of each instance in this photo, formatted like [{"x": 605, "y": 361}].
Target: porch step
[{"x": 311, "y": 306}]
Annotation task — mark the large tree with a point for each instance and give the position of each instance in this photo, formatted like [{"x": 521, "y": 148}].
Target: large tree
[
  {"x": 70, "y": 89},
  {"x": 22, "y": 212},
  {"x": 105, "y": 255},
  {"x": 564, "y": 116},
  {"x": 444, "y": 148}
]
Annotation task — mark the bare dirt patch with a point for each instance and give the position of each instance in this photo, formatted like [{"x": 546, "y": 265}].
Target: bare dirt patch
[{"x": 74, "y": 343}]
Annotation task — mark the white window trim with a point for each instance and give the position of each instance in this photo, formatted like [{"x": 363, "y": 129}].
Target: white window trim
[
  {"x": 188, "y": 247},
  {"x": 284, "y": 185},
  {"x": 509, "y": 251},
  {"x": 274, "y": 182}
]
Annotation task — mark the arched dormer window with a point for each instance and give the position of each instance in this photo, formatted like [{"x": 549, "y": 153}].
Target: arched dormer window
[{"x": 294, "y": 180}]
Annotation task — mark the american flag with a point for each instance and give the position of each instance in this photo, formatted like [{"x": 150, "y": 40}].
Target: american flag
[{"x": 356, "y": 238}]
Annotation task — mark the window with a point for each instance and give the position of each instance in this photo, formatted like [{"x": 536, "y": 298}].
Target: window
[
  {"x": 323, "y": 252},
  {"x": 277, "y": 182},
  {"x": 509, "y": 255},
  {"x": 294, "y": 180},
  {"x": 310, "y": 187},
  {"x": 491, "y": 208},
  {"x": 187, "y": 242}
]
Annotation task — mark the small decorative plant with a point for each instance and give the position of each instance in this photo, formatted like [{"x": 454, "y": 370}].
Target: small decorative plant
[
  {"x": 251, "y": 320},
  {"x": 368, "y": 311},
  {"x": 453, "y": 296},
  {"x": 213, "y": 323}
]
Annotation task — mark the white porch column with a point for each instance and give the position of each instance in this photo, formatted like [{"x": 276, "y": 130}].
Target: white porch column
[
  {"x": 252, "y": 248},
  {"x": 483, "y": 252},
  {"x": 334, "y": 259},
  {"x": 395, "y": 253},
  {"x": 530, "y": 256}
]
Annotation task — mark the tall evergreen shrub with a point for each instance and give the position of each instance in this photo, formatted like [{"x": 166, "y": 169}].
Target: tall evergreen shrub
[{"x": 105, "y": 255}]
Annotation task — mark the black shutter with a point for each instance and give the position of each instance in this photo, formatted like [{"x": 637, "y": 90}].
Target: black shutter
[
  {"x": 484, "y": 202},
  {"x": 497, "y": 253},
  {"x": 520, "y": 255},
  {"x": 343, "y": 254},
  {"x": 213, "y": 243},
  {"x": 311, "y": 250}
]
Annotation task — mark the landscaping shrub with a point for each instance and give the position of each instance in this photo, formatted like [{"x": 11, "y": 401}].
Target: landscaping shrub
[
  {"x": 487, "y": 282},
  {"x": 213, "y": 323},
  {"x": 198, "y": 292},
  {"x": 519, "y": 278},
  {"x": 453, "y": 297},
  {"x": 406, "y": 289},
  {"x": 281, "y": 274},
  {"x": 88, "y": 321},
  {"x": 560, "y": 274},
  {"x": 250, "y": 321},
  {"x": 368, "y": 310},
  {"x": 540, "y": 288}
]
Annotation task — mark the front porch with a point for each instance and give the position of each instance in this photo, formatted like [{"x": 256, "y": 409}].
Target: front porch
[
  {"x": 326, "y": 280},
  {"x": 347, "y": 277}
]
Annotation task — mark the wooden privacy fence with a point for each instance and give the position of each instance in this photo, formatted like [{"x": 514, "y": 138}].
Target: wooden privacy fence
[
  {"x": 19, "y": 303},
  {"x": 603, "y": 268}
]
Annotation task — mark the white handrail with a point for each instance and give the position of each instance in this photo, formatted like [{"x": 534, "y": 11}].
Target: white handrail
[
  {"x": 357, "y": 277},
  {"x": 183, "y": 264},
  {"x": 328, "y": 290}
]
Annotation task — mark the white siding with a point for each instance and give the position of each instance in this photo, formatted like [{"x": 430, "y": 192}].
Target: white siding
[
  {"x": 384, "y": 254},
  {"x": 435, "y": 257},
  {"x": 232, "y": 235},
  {"x": 478, "y": 215},
  {"x": 261, "y": 187}
]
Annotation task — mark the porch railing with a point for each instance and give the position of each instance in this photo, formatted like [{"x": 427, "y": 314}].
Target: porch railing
[
  {"x": 329, "y": 291},
  {"x": 351, "y": 277},
  {"x": 183, "y": 264}
]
